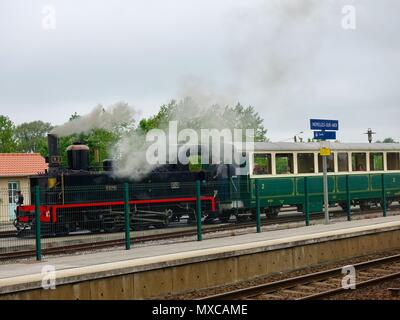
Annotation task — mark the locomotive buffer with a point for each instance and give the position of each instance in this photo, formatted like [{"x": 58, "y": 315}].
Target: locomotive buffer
[{"x": 323, "y": 135}]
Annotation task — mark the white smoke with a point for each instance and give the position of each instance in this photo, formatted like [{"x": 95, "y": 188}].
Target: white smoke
[
  {"x": 99, "y": 118},
  {"x": 270, "y": 53},
  {"x": 273, "y": 51},
  {"x": 270, "y": 57},
  {"x": 131, "y": 151}
]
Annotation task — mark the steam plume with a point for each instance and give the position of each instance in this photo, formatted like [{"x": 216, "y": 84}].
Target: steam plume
[
  {"x": 188, "y": 114},
  {"x": 271, "y": 56},
  {"x": 99, "y": 118}
]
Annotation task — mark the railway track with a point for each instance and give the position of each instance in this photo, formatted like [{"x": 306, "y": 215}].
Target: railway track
[
  {"x": 7, "y": 234},
  {"x": 317, "y": 285},
  {"x": 164, "y": 236}
]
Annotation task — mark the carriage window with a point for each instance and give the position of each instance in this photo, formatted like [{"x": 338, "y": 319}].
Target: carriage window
[
  {"x": 393, "y": 161},
  {"x": 343, "y": 162},
  {"x": 376, "y": 161},
  {"x": 284, "y": 163},
  {"x": 262, "y": 163},
  {"x": 305, "y": 163},
  {"x": 330, "y": 163},
  {"x": 359, "y": 161}
]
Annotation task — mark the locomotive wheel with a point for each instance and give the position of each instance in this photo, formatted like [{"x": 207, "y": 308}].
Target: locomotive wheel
[
  {"x": 192, "y": 217},
  {"x": 108, "y": 227},
  {"x": 344, "y": 206},
  {"x": 169, "y": 214},
  {"x": 225, "y": 217},
  {"x": 62, "y": 230},
  {"x": 241, "y": 218}
]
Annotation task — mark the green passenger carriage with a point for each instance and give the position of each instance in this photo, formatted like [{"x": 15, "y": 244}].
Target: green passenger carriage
[{"x": 284, "y": 170}]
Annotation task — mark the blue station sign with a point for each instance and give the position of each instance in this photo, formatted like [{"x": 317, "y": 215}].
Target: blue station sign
[
  {"x": 318, "y": 124},
  {"x": 325, "y": 135}
]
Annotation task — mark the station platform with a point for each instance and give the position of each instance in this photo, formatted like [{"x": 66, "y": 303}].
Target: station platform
[{"x": 161, "y": 269}]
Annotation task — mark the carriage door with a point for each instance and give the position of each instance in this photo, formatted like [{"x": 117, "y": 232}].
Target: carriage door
[
  {"x": 13, "y": 187},
  {"x": 234, "y": 186}
]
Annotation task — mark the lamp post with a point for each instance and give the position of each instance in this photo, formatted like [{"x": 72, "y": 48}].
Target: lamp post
[
  {"x": 296, "y": 136},
  {"x": 370, "y": 134}
]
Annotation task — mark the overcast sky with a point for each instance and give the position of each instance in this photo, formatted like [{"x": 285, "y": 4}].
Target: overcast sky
[{"x": 292, "y": 60}]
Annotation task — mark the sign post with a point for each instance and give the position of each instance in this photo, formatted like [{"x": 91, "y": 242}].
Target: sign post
[
  {"x": 326, "y": 190},
  {"x": 317, "y": 124}
]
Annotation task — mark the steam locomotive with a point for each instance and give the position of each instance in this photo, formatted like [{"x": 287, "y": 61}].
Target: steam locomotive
[
  {"x": 287, "y": 174},
  {"x": 81, "y": 198}
]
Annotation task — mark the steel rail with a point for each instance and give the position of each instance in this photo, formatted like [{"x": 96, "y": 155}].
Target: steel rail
[{"x": 273, "y": 288}]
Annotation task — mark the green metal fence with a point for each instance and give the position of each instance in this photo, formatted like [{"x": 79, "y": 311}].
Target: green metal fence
[{"x": 125, "y": 215}]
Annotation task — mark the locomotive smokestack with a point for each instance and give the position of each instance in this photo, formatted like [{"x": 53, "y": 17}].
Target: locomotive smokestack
[
  {"x": 78, "y": 156},
  {"x": 53, "y": 158}
]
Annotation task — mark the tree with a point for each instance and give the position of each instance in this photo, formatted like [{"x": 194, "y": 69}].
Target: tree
[
  {"x": 387, "y": 140},
  {"x": 98, "y": 140},
  {"x": 74, "y": 116},
  {"x": 190, "y": 115},
  {"x": 31, "y": 136},
  {"x": 248, "y": 118},
  {"x": 163, "y": 116},
  {"x": 7, "y": 142}
]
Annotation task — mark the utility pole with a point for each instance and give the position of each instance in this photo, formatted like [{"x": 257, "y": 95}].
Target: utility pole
[{"x": 370, "y": 134}]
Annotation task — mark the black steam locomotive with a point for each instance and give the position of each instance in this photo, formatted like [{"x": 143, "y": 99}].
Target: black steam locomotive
[{"x": 80, "y": 198}]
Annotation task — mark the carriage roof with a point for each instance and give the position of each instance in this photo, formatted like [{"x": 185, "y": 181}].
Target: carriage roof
[{"x": 315, "y": 146}]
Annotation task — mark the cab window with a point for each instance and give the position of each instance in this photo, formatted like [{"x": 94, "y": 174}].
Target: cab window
[
  {"x": 195, "y": 163},
  {"x": 376, "y": 161},
  {"x": 330, "y": 163},
  {"x": 359, "y": 161},
  {"x": 305, "y": 163},
  {"x": 393, "y": 161},
  {"x": 262, "y": 164},
  {"x": 284, "y": 163}
]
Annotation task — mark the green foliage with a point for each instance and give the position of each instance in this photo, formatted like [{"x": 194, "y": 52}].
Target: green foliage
[
  {"x": 98, "y": 140},
  {"x": 283, "y": 164},
  {"x": 248, "y": 118},
  {"x": 377, "y": 162},
  {"x": 159, "y": 120},
  {"x": 387, "y": 140},
  {"x": 74, "y": 116},
  {"x": 7, "y": 141},
  {"x": 32, "y": 137},
  {"x": 188, "y": 115},
  {"x": 195, "y": 163}
]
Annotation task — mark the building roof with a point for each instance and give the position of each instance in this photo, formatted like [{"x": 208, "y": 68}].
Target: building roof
[{"x": 21, "y": 164}]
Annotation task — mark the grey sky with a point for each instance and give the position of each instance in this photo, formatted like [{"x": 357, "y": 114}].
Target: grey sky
[{"x": 291, "y": 60}]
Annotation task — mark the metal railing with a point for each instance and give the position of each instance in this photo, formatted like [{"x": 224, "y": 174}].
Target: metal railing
[{"x": 120, "y": 212}]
